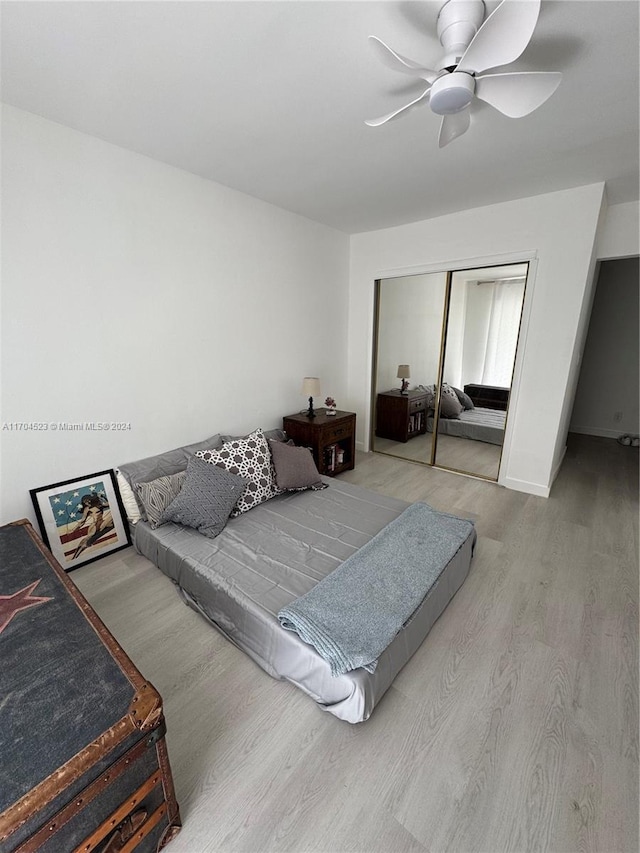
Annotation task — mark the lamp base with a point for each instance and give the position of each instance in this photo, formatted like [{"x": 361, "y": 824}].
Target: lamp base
[
  {"x": 310, "y": 411},
  {"x": 405, "y": 386}
]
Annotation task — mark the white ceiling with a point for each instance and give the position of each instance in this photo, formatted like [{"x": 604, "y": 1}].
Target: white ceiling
[{"x": 270, "y": 98}]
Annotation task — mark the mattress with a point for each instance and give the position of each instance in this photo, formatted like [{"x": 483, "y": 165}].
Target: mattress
[
  {"x": 266, "y": 558},
  {"x": 478, "y": 424}
]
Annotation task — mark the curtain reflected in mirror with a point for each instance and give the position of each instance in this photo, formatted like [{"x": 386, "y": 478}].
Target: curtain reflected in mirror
[
  {"x": 485, "y": 307},
  {"x": 444, "y": 355}
]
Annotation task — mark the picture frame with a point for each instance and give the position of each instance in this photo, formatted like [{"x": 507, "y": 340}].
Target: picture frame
[{"x": 83, "y": 519}]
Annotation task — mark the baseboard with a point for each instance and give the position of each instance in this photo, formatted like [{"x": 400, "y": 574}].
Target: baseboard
[
  {"x": 603, "y": 433},
  {"x": 536, "y": 489}
]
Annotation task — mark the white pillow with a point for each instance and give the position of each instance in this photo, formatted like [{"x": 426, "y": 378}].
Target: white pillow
[{"x": 129, "y": 501}]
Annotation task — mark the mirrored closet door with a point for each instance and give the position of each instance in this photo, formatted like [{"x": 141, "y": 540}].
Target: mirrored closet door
[
  {"x": 409, "y": 327},
  {"x": 444, "y": 355}
]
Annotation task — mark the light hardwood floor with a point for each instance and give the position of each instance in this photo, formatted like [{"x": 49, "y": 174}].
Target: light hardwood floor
[
  {"x": 458, "y": 454},
  {"x": 513, "y": 728}
]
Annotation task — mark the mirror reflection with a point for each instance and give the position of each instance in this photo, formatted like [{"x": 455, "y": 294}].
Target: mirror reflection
[
  {"x": 410, "y": 313},
  {"x": 469, "y": 329},
  {"x": 485, "y": 306}
]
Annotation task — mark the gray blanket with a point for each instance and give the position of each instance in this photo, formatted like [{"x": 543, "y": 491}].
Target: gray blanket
[{"x": 352, "y": 615}]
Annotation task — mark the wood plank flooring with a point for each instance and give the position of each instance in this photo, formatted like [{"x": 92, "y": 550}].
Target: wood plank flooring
[
  {"x": 513, "y": 728},
  {"x": 457, "y": 454}
]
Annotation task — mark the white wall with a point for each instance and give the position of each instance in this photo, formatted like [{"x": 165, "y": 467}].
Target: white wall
[
  {"x": 411, "y": 322},
  {"x": 609, "y": 378},
  {"x": 134, "y": 292},
  {"x": 558, "y": 230},
  {"x": 619, "y": 234}
]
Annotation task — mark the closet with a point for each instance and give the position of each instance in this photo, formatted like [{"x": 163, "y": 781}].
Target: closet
[{"x": 444, "y": 353}]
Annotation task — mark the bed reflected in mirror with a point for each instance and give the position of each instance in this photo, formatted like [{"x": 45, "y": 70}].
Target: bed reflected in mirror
[{"x": 485, "y": 307}]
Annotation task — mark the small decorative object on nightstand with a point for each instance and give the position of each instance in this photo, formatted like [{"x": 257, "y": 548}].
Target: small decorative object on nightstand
[
  {"x": 330, "y": 403},
  {"x": 332, "y": 439},
  {"x": 404, "y": 373},
  {"x": 311, "y": 389}
]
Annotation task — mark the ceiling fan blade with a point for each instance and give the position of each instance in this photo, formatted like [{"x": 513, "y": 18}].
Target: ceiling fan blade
[
  {"x": 400, "y": 63},
  {"x": 518, "y": 94},
  {"x": 376, "y": 122},
  {"x": 453, "y": 126},
  {"x": 502, "y": 37}
]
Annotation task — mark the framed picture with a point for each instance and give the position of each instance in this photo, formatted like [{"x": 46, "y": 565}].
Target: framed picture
[{"x": 83, "y": 519}]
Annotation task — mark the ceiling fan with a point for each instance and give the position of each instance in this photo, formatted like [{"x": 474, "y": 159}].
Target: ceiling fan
[{"x": 471, "y": 47}]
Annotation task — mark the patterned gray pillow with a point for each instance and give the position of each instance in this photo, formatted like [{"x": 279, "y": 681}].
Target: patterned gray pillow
[
  {"x": 206, "y": 499},
  {"x": 161, "y": 465},
  {"x": 450, "y": 406},
  {"x": 158, "y": 494},
  {"x": 249, "y": 457}
]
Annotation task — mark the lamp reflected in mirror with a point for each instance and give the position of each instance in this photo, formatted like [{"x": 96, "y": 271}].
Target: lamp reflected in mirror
[{"x": 404, "y": 373}]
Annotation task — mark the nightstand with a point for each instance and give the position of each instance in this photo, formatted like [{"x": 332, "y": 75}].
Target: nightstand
[
  {"x": 401, "y": 416},
  {"x": 332, "y": 439}
]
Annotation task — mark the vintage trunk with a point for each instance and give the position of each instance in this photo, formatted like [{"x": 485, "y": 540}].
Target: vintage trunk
[{"x": 83, "y": 759}]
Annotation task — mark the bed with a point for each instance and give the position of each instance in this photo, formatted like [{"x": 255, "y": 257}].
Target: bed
[
  {"x": 478, "y": 424},
  {"x": 460, "y": 417},
  {"x": 269, "y": 557}
]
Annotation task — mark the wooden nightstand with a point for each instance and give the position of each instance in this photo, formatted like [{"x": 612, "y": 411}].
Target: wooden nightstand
[
  {"x": 401, "y": 416},
  {"x": 332, "y": 439}
]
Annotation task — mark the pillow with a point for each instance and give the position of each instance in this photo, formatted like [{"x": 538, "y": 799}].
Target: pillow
[
  {"x": 269, "y": 434},
  {"x": 169, "y": 462},
  {"x": 129, "y": 502},
  {"x": 206, "y": 499},
  {"x": 295, "y": 468},
  {"x": 158, "y": 494},
  {"x": 450, "y": 406},
  {"x": 249, "y": 457},
  {"x": 465, "y": 399},
  {"x": 431, "y": 395}
]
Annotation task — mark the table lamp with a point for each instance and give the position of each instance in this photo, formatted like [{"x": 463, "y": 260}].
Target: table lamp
[
  {"x": 311, "y": 389},
  {"x": 404, "y": 373}
]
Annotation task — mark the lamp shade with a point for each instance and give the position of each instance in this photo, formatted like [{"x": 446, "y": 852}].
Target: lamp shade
[
  {"x": 311, "y": 386},
  {"x": 404, "y": 371}
]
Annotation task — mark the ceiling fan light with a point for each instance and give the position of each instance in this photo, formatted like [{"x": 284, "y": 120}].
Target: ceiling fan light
[{"x": 452, "y": 93}]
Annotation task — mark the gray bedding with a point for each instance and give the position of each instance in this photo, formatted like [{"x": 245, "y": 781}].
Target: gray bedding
[
  {"x": 268, "y": 557},
  {"x": 352, "y": 615},
  {"x": 478, "y": 424}
]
